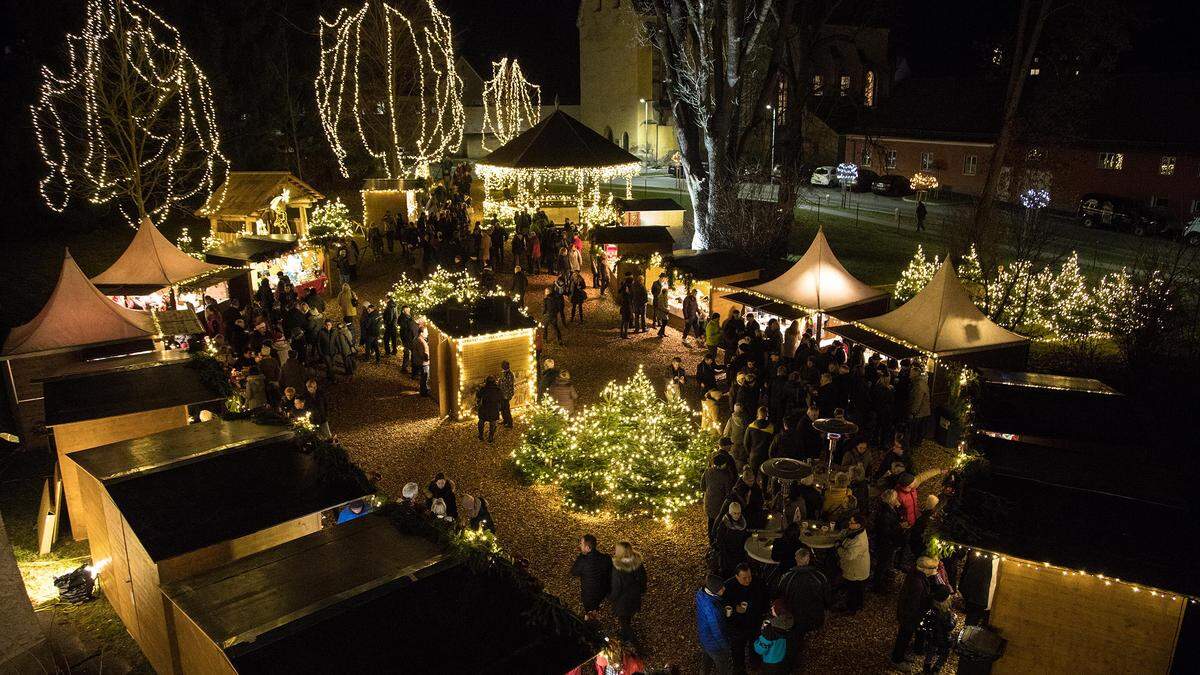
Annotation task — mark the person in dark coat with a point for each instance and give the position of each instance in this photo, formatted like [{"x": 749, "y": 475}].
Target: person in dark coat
[
  {"x": 937, "y": 627},
  {"x": 717, "y": 482},
  {"x": 712, "y": 627},
  {"x": 325, "y": 347},
  {"x": 520, "y": 282},
  {"x": 371, "y": 329},
  {"x": 442, "y": 488},
  {"x": 488, "y": 401},
  {"x": 914, "y": 600},
  {"x": 628, "y": 587},
  {"x": 594, "y": 570},
  {"x": 409, "y": 329},
  {"x": 888, "y": 535},
  {"x": 759, "y": 435},
  {"x": 728, "y": 539},
  {"x": 343, "y": 346},
  {"x": 551, "y": 309},
  {"x": 746, "y": 599},
  {"x": 638, "y": 303},
  {"x": 691, "y": 316},
  {"x": 391, "y": 329},
  {"x": 476, "y": 513},
  {"x": 804, "y": 589}
]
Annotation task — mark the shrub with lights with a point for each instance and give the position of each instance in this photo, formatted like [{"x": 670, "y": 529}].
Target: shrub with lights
[
  {"x": 632, "y": 453},
  {"x": 439, "y": 286}
]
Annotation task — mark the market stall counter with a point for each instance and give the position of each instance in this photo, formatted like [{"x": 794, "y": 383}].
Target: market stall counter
[{"x": 266, "y": 255}]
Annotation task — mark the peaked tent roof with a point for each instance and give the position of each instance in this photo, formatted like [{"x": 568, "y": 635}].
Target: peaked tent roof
[
  {"x": 559, "y": 142},
  {"x": 246, "y": 194},
  {"x": 77, "y": 314},
  {"x": 151, "y": 259},
  {"x": 943, "y": 320},
  {"x": 818, "y": 281}
]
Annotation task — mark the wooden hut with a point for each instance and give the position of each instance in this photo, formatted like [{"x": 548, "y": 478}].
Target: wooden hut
[
  {"x": 264, "y": 256},
  {"x": 336, "y": 601},
  {"x": 245, "y": 198},
  {"x": 19, "y": 631},
  {"x": 636, "y": 250},
  {"x": 89, "y": 409},
  {"x": 664, "y": 212},
  {"x": 171, "y": 505},
  {"x": 469, "y": 342},
  {"x": 715, "y": 273},
  {"x": 77, "y": 328}
]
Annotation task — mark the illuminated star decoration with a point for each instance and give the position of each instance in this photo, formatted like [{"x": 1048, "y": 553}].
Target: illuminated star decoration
[
  {"x": 131, "y": 120},
  {"x": 847, "y": 174},
  {"x": 387, "y": 83},
  {"x": 1035, "y": 198},
  {"x": 511, "y": 104}
]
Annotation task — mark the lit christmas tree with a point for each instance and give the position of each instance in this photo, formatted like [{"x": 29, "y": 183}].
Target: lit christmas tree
[
  {"x": 330, "y": 223},
  {"x": 914, "y": 277},
  {"x": 131, "y": 121},
  {"x": 439, "y": 286},
  {"x": 1071, "y": 308}
]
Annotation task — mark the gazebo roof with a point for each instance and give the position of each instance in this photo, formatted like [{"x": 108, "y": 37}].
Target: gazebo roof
[
  {"x": 77, "y": 314},
  {"x": 151, "y": 260},
  {"x": 247, "y": 194},
  {"x": 818, "y": 282},
  {"x": 559, "y": 142},
  {"x": 943, "y": 320}
]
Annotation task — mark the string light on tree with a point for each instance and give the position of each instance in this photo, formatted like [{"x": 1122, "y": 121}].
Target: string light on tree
[
  {"x": 511, "y": 104},
  {"x": 1035, "y": 198},
  {"x": 131, "y": 121},
  {"x": 330, "y": 223},
  {"x": 387, "y": 85},
  {"x": 923, "y": 182},
  {"x": 847, "y": 174}
]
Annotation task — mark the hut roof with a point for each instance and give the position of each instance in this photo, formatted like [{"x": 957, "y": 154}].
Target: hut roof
[
  {"x": 247, "y": 194},
  {"x": 484, "y": 316},
  {"x": 150, "y": 259},
  {"x": 708, "y": 265},
  {"x": 558, "y": 142},
  {"x": 77, "y": 314},
  {"x": 663, "y": 204},
  {"x": 819, "y": 282},
  {"x": 251, "y": 248},
  {"x": 230, "y": 494},
  {"x": 943, "y": 320},
  {"x": 641, "y": 234},
  {"x": 120, "y": 391}
]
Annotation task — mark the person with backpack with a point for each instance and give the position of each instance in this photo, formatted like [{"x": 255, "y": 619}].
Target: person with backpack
[{"x": 804, "y": 590}]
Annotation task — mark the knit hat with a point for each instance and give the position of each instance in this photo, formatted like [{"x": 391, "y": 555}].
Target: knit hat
[
  {"x": 713, "y": 584},
  {"x": 905, "y": 479},
  {"x": 410, "y": 490}
]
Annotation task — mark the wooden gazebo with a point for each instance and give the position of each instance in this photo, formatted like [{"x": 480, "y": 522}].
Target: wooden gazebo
[{"x": 246, "y": 196}]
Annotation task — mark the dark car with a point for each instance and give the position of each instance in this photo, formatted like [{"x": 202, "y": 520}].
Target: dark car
[
  {"x": 866, "y": 181},
  {"x": 891, "y": 185},
  {"x": 1120, "y": 213}
]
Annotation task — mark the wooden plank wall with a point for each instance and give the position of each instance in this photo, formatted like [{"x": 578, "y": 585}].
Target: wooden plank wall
[
  {"x": 483, "y": 358},
  {"x": 196, "y": 651},
  {"x": 1077, "y": 625},
  {"x": 69, "y": 438},
  {"x": 25, "y": 397},
  {"x": 438, "y": 373},
  {"x": 210, "y": 557}
]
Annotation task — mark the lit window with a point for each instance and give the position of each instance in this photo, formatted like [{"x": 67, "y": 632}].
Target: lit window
[
  {"x": 889, "y": 159},
  {"x": 818, "y": 85},
  {"x": 926, "y": 161},
  {"x": 1112, "y": 161},
  {"x": 866, "y": 156},
  {"x": 844, "y": 85},
  {"x": 970, "y": 165},
  {"x": 781, "y": 100},
  {"x": 869, "y": 89},
  {"x": 1035, "y": 69},
  {"x": 1167, "y": 166}
]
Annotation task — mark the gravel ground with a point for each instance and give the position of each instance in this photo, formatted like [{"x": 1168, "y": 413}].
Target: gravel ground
[{"x": 389, "y": 429}]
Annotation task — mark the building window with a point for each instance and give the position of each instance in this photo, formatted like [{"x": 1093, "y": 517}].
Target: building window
[
  {"x": 818, "y": 85},
  {"x": 1167, "y": 166},
  {"x": 781, "y": 100},
  {"x": 844, "y": 85},
  {"x": 926, "y": 161},
  {"x": 1036, "y": 68},
  {"x": 866, "y": 157},
  {"x": 625, "y": 140},
  {"x": 970, "y": 165},
  {"x": 869, "y": 89},
  {"x": 1112, "y": 161},
  {"x": 889, "y": 159}
]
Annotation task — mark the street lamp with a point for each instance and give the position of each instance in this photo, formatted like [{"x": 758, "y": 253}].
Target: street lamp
[
  {"x": 645, "y": 121},
  {"x": 773, "y": 113}
]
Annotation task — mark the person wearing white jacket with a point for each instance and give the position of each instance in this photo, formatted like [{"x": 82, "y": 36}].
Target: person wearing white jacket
[{"x": 854, "y": 557}]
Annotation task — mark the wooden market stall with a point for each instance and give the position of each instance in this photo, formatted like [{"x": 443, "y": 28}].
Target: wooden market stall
[
  {"x": 717, "y": 274},
  {"x": 631, "y": 249},
  {"x": 171, "y": 505},
  {"x": 468, "y": 342},
  {"x": 77, "y": 327},
  {"x": 264, "y": 256},
  {"x": 337, "y": 601},
  {"x": 90, "y": 409},
  {"x": 243, "y": 204},
  {"x": 665, "y": 212}
]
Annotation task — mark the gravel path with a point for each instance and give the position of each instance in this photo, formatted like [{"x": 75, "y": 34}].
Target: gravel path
[{"x": 388, "y": 428}]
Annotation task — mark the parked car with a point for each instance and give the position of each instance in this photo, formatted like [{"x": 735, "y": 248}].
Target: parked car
[
  {"x": 866, "y": 180},
  {"x": 891, "y": 185},
  {"x": 1121, "y": 213},
  {"x": 1191, "y": 233},
  {"x": 824, "y": 175}
]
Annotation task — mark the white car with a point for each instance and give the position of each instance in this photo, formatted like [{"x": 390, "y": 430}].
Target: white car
[
  {"x": 824, "y": 175},
  {"x": 1191, "y": 233}
]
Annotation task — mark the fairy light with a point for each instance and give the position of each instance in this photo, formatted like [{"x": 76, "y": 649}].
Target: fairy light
[
  {"x": 131, "y": 120},
  {"x": 847, "y": 174},
  {"x": 421, "y": 119},
  {"x": 511, "y": 103},
  {"x": 915, "y": 276},
  {"x": 922, "y": 181},
  {"x": 1035, "y": 198},
  {"x": 510, "y": 190},
  {"x": 631, "y": 453},
  {"x": 329, "y": 223}
]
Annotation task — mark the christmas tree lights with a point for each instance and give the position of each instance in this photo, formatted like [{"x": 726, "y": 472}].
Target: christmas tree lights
[
  {"x": 387, "y": 84},
  {"x": 922, "y": 181},
  {"x": 439, "y": 286},
  {"x": 633, "y": 452},
  {"x": 915, "y": 277},
  {"x": 511, "y": 104},
  {"x": 131, "y": 121},
  {"x": 330, "y": 223}
]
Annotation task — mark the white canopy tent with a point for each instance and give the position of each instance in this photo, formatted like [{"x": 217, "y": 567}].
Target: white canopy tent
[
  {"x": 818, "y": 282},
  {"x": 152, "y": 260}
]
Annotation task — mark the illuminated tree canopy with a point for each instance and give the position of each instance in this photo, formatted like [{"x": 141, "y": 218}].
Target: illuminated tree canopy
[
  {"x": 387, "y": 85},
  {"x": 131, "y": 119},
  {"x": 511, "y": 104}
]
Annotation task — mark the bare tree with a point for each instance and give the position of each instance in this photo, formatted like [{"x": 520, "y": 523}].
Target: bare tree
[
  {"x": 132, "y": 119},
  {"x": 387, "y": 85}
]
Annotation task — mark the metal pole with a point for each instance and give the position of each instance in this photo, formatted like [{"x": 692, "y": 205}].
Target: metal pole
[{"x": 772, "y": 167}]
